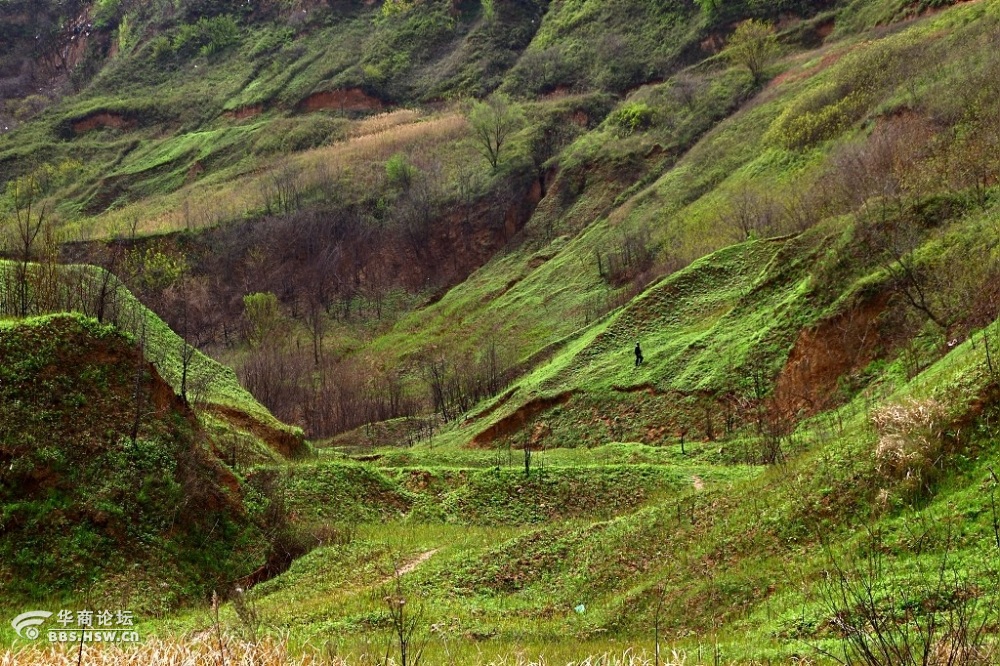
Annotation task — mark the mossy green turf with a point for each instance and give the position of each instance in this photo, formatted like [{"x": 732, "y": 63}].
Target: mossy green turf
[
  {"x": 84, "y": 504},
  {"x": 613, "y": 516},
  {"x": 502, "y": 559},
  {"x": 740, "y": 558},
  {"x": 211, "y": 382}
]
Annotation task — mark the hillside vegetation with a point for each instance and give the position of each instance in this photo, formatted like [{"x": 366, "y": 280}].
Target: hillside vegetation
[{"x": 428, "y": 235}]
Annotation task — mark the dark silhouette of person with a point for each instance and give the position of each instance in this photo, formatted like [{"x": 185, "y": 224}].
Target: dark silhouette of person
[{"x": 638, "y": 355}]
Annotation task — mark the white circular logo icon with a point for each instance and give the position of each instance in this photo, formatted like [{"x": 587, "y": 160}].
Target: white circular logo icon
[{"x": 26, "y": 624}]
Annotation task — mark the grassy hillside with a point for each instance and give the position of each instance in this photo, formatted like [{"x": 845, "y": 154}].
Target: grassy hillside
[
  {"x": 101, "y": 466},
  {"x": 748, "y": 558},
  {"x": 211, "y": 387},
  {"x": 103, "y": 459},
  {"x": 806, "y": 249}
]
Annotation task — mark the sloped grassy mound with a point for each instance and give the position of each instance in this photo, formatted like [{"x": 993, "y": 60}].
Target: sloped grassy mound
[
  {"x": 106, "y": 482},
  {"x": 211, "y": 386}
]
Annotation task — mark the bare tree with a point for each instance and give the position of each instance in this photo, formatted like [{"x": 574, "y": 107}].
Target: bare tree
[
  {"x": 29, "y": 219},
  {"x": 315, "y": 319},
  {"x": 186, "y": 302},
  {"x": 405, "y": 619},
  {"x": 749, "y": 213},
  {"x": 140, "y": 384}
]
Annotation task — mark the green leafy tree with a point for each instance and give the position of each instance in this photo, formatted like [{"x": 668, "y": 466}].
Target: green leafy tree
[
  {"x": 399, "y": 171},
  {"x": 493, "y": 122},
  {"x": 393, "y": 7},
  {"x": 263, "y": 316},
  {"x": 489, "y": 9},
  {"x": 753, "y": 45}
]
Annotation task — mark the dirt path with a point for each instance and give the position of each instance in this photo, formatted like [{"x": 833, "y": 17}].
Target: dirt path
[{"x": 417, "y": 561}]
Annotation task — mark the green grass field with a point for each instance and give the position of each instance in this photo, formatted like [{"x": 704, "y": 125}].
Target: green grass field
[{"x": 803, "y": 465}]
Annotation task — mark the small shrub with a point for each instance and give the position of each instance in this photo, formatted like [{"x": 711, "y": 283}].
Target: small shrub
[
  {"x": 206, "y": 37},
  {"x": 106, "y": 13},
  {"x": 542, "y": 70},
  {"x": 632, "y": 117},
  {"x": 393, "y": 7},
  {"x": 272, "y": 40},
  {"x": 160, "y": 48},
  {"x": 824, "y": 114},
  {"x": 399, "y": 171},
  {"x": 911, "y": 439}
]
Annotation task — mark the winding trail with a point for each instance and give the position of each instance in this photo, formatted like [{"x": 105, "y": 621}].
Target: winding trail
[{"x": 417, "y": 561}]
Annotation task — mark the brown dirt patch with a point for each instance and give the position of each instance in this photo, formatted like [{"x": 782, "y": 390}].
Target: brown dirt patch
[
  {"x": 514, "y": 422},
  {"x": 558, "y": 92},
  {"x": 104, "y": 120},
  {"x": 826, "y": 352},
  {"x": 797, "y": 75},
  {"x": 492, "y": 408},
  {"x": 285, "y": 443},
  {"x": 417, "y": 561},
  {"x": 245, "y": 112},
  {"x": 348, "y": 99},
  {"x": 196, "y": 170},
  {"x": 825, "y": 29}
]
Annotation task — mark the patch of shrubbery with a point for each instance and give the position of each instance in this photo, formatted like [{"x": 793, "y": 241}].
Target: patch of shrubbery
[
  {"x": 206, "y": 37},
  {"x": 399, "y": 171},
  {"x": 286, "y": 135},
  {"x": 859, "y": 83},
  {"x": 823, "y": 114},
  {"x": 271, "y": 40},
  {"x": 632, "y": 117},
  {"x": 910, "y": 445}
]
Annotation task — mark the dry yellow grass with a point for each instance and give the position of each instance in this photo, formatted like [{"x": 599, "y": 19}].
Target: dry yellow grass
[
  {"x": 163, "y": 653},
  {"x": 359, "y": 161},
  {"x": 627, "y": 658},
  {"x": 384, "y": 121},
  {"x": 205, "y": 652}
]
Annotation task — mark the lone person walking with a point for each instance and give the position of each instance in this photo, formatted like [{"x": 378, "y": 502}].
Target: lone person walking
[{"x": 638, "y": 354}]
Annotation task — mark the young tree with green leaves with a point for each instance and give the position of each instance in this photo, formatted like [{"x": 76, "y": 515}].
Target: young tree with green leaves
[
  {"x": 753, "y": 45},
  {"x": 493, "y": 122}
]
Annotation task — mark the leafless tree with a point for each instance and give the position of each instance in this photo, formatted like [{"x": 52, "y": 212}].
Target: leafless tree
[
  {"x": 748, "y": 213},
  {"x": 405, "y": 620},
  {"x": 29, "y": 219}
]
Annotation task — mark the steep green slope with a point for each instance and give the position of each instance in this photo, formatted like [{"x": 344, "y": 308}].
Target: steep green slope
[
  {"x": 748, "y": 559},
  {"x": 101, "y": 467},
  {"x": 103, "y": 460},
  {"x": 810, "y": 265},
  {"x": 210, "y": 386},
  {"x": 753, "y": 175}
]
